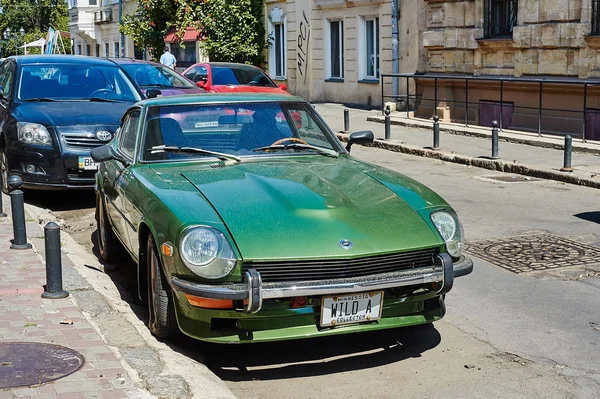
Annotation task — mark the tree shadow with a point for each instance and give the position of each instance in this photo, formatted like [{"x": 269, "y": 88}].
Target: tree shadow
[
  {"x": 60, "y": 200},
  {"x": 589, "y": 216}
]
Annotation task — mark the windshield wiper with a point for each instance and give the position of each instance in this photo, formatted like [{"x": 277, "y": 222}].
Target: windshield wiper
[
  {"x": 163, "y": 86},
  {"x": 298, "y": 146},
  {"x": 39, "y": 99},
  {"x": 103, "y": 100},
  {"x": 172, "y": 148}
]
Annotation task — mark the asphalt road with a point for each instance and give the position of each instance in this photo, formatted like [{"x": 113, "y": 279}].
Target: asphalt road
[{"x": 505, "y": 335}]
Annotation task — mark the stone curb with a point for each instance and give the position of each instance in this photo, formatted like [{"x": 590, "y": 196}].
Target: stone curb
[
  {"x": 492, "y": 164},
  {"x": 504, "y": 136}
]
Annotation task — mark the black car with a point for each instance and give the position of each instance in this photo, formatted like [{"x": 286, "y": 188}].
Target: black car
[
  {"x": 54, "y": 109},
  {"x": 149, "y": 75}
]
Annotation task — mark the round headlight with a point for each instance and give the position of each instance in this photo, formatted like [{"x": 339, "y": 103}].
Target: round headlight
[
  {"x": 33, "y": 133},
  {"x": 206, "y": 252},
  {"x": 449, "y": 227}
]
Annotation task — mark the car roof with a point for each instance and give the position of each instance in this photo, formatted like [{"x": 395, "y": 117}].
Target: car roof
[
  {"x": 132, "y": 61},
  {"x": 207, "y": 98},
  {"x": 230, "y": 65},
  {"x": 60, "y": 59}
]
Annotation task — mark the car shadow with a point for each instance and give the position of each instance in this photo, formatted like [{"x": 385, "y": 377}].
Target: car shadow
[
  {"x": 60, "y": 200},
  {"x": 589, "y": 216}
]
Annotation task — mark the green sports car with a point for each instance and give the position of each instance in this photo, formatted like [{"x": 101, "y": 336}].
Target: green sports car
[{"x": 249, "y": 221}]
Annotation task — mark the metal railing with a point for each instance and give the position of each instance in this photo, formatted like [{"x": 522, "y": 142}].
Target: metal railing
[{"x": 468, "y": 105}]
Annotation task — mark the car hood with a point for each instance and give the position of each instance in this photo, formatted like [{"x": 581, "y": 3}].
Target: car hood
[
  {"x": 67, "y": 113},
  {"x": 304, "y": 208},
  {"x": 173, "y": 91},
  {"x": 246, "y": 89}
]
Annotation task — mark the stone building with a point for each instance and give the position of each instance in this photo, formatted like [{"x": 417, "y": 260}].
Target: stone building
[
  {"x": 332, "y": 50},
  {"x": 520, "y": 40}
]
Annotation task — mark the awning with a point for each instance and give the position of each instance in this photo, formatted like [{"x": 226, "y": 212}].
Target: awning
[
  {"x": 37, "y": 43},
  {"x": 190, "y": 35}
]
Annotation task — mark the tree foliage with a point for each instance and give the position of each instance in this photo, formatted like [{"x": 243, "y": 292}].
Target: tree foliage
[
  {"x": 35, "y": 17},
  {"x": 232, "y": 30}
]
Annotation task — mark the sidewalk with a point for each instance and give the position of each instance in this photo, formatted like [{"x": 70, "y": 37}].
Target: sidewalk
[
  {"x": 520, "y": 152},
  {"x": 26, "y": 317}
]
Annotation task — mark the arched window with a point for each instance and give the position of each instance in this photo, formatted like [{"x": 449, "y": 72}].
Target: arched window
[{"x": 500, "y": 17}]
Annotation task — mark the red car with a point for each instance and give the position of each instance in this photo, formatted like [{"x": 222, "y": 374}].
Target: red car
[{"x": 221, "y": 77}]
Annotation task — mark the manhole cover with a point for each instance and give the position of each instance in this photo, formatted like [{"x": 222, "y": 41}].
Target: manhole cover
[
  {"x": 532, "y": 252},
  {"x": 508, "y": 178},
  {"x": 31, "y": 363}
]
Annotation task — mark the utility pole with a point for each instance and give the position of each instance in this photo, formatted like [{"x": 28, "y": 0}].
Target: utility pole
[{"x": 122, "y": 34}]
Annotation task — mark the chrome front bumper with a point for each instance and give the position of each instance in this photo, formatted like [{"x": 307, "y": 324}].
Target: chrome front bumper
[{"x": 255, "y": 291}]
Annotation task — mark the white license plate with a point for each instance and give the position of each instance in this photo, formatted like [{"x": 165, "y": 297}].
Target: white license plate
[
  {"x": 87, "y": 163},
  {"x": 351, "y": 308}
]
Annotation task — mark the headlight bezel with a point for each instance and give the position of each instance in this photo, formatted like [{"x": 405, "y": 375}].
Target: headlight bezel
[
  {"x": 40, "y": 134},
  {"x": 225, "y": 254},
  {"x": 455, "y": 242}
]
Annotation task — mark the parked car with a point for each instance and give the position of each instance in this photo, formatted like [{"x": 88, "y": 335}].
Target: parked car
[
  {"x": 220, "y": 77},
  {"x": 53, "y": 110},
  {"x": 249, "y": 227},
  {"x": 151, "y": 76}
]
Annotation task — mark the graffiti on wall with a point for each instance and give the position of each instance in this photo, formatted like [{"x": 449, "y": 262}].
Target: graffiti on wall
[{"x": 303, "y": 45}]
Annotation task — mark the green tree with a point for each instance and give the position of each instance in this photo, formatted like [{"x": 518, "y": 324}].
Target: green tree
[
  {"x": 35, "y": 17},
  {"x": 232, "y": 29}
]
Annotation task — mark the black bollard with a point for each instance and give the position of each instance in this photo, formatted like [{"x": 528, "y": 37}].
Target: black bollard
[
  {"x": 54, "y": 288},
  {"x": 568, "y": 149},
  {"x": 17, "y": 203},
  {"x": 495, "y": 140},
  {"x": 388, "y": 123},
  {"x": 436, "y": 132},
  {"x": 346, "y": 120},
  {"x": 2, "y": 214}
]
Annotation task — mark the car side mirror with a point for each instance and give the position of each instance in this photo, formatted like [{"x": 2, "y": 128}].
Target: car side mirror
[
  {"x": 151, "y": 93},
  {"x": 362, "y": 137},
  {"x": 106, "y": 153},
  {"x": 283, "y": 86},
  {"x": 1, "y": 92},
  {"x": 200, "y": 84}
]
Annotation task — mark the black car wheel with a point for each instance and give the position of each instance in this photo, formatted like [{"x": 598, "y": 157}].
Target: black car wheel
[
  {"x": 161, "y": 320},
  {"x": 109, "y": 246},
  {"x": 4, "y": 170}
]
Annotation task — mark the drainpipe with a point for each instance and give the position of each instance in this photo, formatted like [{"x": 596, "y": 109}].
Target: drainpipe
[
  {"x": 122, "y": 34},
  {"x": 395, "y": 61}
]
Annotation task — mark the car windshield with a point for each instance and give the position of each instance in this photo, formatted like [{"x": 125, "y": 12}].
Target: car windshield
[
  {"x": 240, "y": 129},
  {"x": 150, "y": 75},
  {"x": 241, "y": 75},
  {"x": 75, "y": 82}
]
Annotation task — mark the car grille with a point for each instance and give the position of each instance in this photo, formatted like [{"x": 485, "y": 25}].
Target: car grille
[
  {"x": 81, "y": 140},
  {"x": 302, "y": 270}
]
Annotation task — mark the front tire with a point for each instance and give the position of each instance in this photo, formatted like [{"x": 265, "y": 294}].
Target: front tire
[
  {"x": 161, "y": 320},
  {"x": 109, "y": 246}
]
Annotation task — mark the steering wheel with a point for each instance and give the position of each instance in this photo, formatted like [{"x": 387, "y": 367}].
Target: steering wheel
[
  {"x": 294, "y": 139},
  {"x": 107, "y": 91}
]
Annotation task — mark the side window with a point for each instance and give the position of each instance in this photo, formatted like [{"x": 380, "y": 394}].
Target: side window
[
  {"x": 129, "y": 134},
  {"x": 190, "y": 74},
  {"x": 7, "y": 73}
]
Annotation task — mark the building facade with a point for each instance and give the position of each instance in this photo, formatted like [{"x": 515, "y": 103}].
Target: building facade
[
  {"x": 521, "y": 39},
  {"x": 331, "y": 50}
]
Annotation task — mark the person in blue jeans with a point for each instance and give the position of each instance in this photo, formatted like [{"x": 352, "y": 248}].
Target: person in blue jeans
[{"x": 168, "y": 59}]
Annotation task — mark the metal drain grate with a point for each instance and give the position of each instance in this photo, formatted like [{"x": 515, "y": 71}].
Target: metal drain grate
[
  {"x": 509, "y": 178},
  {"x": 533, "y": 252}
]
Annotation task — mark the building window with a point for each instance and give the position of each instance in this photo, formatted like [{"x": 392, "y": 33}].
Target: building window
[
  {"x": 79, "y": 49},
  {"x": 97, "y": 50},
  {"x": 93, "y": 2},
  {"x": 88, "y": 50},
  {"x": 368, "y": 48},
  {"x": 117, "y": 49},
  {"x": 277, "y": 51},
  {"x": 595, "y": 17},
  {"x": 335, "y": 50},
  {"x": 106, "y": 50},
  {"x": 500, "y": 17}
]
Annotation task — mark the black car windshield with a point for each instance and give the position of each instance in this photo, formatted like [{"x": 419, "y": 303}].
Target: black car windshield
[
  {"x": 151, "y": 75},
  {"x": 75, "y": 82},
  {"x": 240, "y": 129},
  {"x": 240, "y": 75}
]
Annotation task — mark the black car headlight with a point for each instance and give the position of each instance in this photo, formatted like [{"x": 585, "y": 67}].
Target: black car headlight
[
  {"x": 206, "y": 252},
  {"x": 33, "y": 133},
  {"x": 449, "y": 227}
]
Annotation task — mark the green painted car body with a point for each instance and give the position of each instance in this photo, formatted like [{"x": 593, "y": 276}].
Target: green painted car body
[{"x": 302, "y": 222}]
